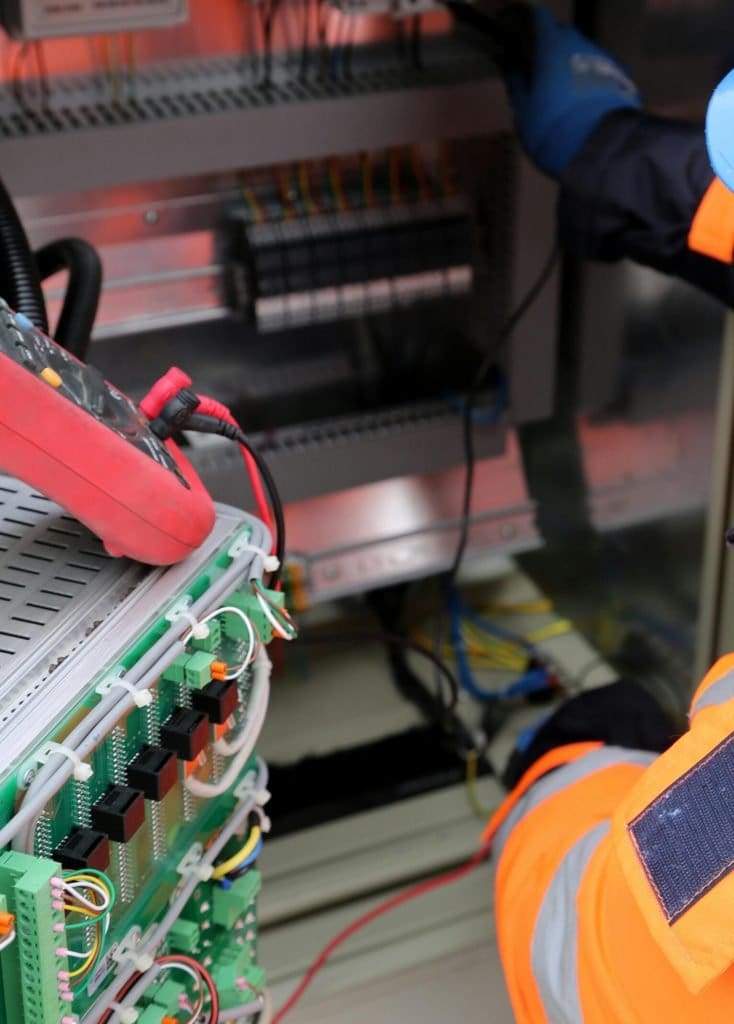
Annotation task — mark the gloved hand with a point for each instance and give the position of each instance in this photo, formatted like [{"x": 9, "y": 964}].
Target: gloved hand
[{"x": 572, "y": 85}]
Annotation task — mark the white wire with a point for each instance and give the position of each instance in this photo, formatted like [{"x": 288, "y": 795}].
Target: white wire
[
  {"x": 78, "y": 956},
  {"x": 71, "y": 887},
  {"x": 251, "y": 634},
  {"x": 246, "y": 740},
  {"x": 261, "y": 668},
  {"x": 277, "y": 628},
  {"x": 8, "y": 940}
]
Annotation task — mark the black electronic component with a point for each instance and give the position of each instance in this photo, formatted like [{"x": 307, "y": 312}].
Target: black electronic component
[
  {"x": 119, "y": 813},
  {"x": 186, "y": 732},
  {"x": 83, "y": 848},
  {"x": 154, "y": 771},
  {"x": 218, "y": 700},
  {"x": 326, "y": 268}
]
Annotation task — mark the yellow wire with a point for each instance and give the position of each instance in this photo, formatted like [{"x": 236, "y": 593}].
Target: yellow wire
[
  {"x": 472, "y": 761},
  {"x": 229, "y": 865},
  {"x": 77, "y": 908},
  {"x": 93, "y": 953},
  {"x": 77, "y": 876},
  {"x": 285, "y": 198},
  {"x": 559, "y": 628},
  {"x": 254, "y": 204},
  {"x": 336, "y": 185},
  {"x": 496, "y": 658},
  {"x": 538, "y": 607},
  {"x": 304, "y": 185}
]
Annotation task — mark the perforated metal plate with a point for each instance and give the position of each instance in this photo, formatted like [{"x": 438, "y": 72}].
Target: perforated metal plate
[
  {"x": 173, "y": 90},
  {"x": 51, "y": 569},
  {"x": 67, "y": 609}
]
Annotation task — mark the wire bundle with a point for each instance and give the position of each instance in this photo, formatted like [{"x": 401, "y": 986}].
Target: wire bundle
[
  {"x": 87, "y": 897},
  {"x": 205, "y": 990},
  {"x": 234, "y": 867},
  {"x": 279, "y": 618},
  {"x": 496, "y": 648}
]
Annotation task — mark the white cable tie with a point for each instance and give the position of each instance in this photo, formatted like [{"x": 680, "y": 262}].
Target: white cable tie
[
  {"x": 181, "y": 610},
  {"x": 142, "y": 962},
  {"x": 271, "y": 563},
  {"x": 199, "y": 630},
  {"x": 203, "y": 872},
  {"x": 127, "y": 1014},
  {"x": 82, "y": 771},
  {"x": 142, "y": 698}
]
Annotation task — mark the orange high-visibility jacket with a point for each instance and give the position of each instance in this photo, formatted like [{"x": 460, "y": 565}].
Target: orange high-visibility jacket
[{"x": 614, "y": 879}]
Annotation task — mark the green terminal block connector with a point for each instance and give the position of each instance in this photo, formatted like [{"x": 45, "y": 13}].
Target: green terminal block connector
[
  {"x": 10, "y": 989},
  {"x": 191, "y": 669},
  {"x": 211, "y": 643},
  {"x": 150, "y": 1014},
  {"x": 175, "y": 671},
  {"x": 198, "y": 669},
  {"x": 25, "y": 883},
  {"x": 249, "y": 604},
  {"x": 238, "y": 980},
  {"x": 230, "y": 904},
  {"x": 184, "y": 936}
]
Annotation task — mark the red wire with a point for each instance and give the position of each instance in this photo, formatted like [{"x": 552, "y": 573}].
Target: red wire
[
  {"x": 211, "y": 407},
  {"x": 204, "y": 975},
  {"x": 383, "y": 908},
  {"x": 202, "y": 971}
]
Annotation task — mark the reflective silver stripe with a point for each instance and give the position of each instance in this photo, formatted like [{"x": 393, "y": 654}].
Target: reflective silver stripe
[
  {"x": 566, "y": 775},
  {"x": 554, "y": 947},
  {"x": 719, "y": 692}
]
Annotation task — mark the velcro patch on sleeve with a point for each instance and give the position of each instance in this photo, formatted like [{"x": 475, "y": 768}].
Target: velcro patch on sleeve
[{"x": 685, "y": 837}]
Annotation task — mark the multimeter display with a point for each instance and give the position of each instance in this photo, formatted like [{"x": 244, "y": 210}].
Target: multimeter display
[{"x": 26, "y": 345}]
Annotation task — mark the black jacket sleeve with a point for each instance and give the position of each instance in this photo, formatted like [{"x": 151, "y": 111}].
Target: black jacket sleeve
[{"x": 633, "y": 191}]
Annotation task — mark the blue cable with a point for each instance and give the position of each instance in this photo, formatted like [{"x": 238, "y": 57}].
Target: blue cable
[
  {"x": 494, "y": 630},
  {"x": 532, "y": 681},
  {"x": 226, "y": 882},
  {"x": 483, "y": 416}
]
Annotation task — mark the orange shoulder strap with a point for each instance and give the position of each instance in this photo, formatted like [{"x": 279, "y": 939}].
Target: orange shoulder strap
[{"x": 712, "y": 228}]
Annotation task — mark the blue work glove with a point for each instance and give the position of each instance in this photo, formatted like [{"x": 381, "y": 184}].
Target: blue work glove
[
  {"x": 720, "y": 131},
  {"x": 571, "y": 86}
]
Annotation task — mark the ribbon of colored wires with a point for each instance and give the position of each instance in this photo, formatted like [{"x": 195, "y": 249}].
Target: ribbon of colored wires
[{"x": 90, "y": 895}]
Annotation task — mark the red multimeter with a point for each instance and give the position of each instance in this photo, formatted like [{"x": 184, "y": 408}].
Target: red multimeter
[{"x": 67, "y": 432}]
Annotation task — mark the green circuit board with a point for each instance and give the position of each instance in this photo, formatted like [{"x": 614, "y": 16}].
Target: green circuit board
[{"x": 217, "y": 925}]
